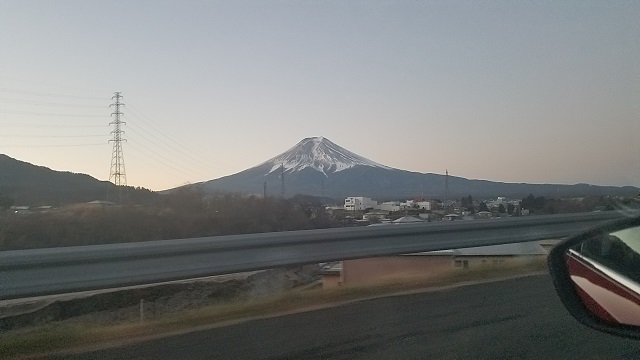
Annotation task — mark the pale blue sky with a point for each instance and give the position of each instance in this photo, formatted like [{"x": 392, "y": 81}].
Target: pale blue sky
[{"x": 543, "y": 92}]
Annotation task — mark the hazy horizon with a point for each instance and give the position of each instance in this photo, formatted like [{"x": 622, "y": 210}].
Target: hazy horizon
[
  {"x": 509, "y": 92},
  {"x": 443, "y": 173}
]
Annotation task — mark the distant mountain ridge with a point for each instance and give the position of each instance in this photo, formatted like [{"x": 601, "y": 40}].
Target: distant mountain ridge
[
  {"x": 317, "y": 166},
  {"x": 32, "y": 185}
]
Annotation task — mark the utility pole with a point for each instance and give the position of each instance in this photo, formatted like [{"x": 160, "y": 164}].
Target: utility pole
[
  {"x": 282, "y": 180},
  {"x": 117, "y": 174},
  {"x": 446, "y": 187},
  {"x": 264, "y": 201}
]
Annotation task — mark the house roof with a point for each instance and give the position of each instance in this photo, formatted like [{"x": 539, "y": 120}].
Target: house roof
[
  {"x": 101, "y": 202},
  {"x": 334, "y": 269},
  {"x": 526, "y": 248},
  {"x": 377, "y": 212},
  {"x": 406, "y": 220}
]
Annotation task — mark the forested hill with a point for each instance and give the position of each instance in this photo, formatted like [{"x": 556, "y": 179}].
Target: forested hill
[{"x": 28, "y": 184}]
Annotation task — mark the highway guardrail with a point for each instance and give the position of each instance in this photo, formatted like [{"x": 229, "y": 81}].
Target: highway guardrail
[{"x": 26, "y": 273}]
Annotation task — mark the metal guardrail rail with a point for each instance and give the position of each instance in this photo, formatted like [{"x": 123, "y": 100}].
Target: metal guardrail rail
[{"x": 25, "y": 273}]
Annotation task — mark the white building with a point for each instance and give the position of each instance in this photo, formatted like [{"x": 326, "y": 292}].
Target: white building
[
  {"x": 452, "y": 217},
  {"x": 408, "y": 204},
  {"x": 427, "y": 205},
  {"x": 389, "y": 206},
  {"x": 359, "y": 203},
  {"x": 495, "y": 204}
]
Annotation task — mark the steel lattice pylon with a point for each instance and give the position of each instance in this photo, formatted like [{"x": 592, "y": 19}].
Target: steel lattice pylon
[{"x": 117, "y": 174}]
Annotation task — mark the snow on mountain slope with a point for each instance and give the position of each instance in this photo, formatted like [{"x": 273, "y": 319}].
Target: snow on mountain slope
[{"x": 318, "y": 153}]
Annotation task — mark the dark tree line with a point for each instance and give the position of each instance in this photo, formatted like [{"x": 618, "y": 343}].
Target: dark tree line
[
  {"x": 5, "y": 202},
  {"x": 542, "y": 205},
  {"x": 467, "y": 204},
  {"x": 183, "y": 214},
  {"x": 534, "y": 203}
]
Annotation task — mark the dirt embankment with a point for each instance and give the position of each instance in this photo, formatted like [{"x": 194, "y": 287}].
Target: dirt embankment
[{"x": 122, "y": 305}]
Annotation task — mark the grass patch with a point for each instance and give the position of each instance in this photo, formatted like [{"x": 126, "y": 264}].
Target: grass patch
[
  {"x": 71, "y": 334},
  {"x": 39, "y": 340}
]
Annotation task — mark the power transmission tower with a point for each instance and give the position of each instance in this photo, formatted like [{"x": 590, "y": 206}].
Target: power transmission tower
[{"x": 117, "y": 174}]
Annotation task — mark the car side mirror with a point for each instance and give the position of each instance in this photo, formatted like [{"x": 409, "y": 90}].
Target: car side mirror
[{"x": 597, "y": 276}]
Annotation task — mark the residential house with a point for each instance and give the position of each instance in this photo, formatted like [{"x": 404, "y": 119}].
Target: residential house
[{"x": 377, "y": 215}]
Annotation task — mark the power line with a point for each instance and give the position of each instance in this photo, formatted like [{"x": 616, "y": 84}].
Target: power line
[
  {"x": 194, "y": 157},
  {"x": 136, "y": 113},
  {"x": 33, "y": 113},
  {"x": 49, "y": 136},
  {"x": 49, "y": 125},
  {"x": 43, "y": 146},
  {"x": 164, "y": 160},
  {"x": 160, "y": 161},
  {"x": 141, "y": 118},
  {"x": 45, "y": 103},
  {"x": 159, "y": 157},
  {"x": 24, "y": 98},
  {"x": 186, "y": 156},
  {"x": 36, "y": 93},
  {"x": 50, "y": 85}
]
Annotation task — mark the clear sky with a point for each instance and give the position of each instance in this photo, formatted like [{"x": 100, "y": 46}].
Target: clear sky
[{"x": 541, "y": 92}]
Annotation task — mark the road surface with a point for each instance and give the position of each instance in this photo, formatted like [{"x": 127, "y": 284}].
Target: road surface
[{"x": 512, "y": 319}]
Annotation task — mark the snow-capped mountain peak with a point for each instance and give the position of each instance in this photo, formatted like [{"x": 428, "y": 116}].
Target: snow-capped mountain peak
[{"x": 318, "y": 153}]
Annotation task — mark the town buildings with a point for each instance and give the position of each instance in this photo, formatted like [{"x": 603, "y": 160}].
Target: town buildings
[{"x": 359, "y": 203}]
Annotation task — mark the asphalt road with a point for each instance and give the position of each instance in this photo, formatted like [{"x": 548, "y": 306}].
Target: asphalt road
[{"x": 513, "y": 319}]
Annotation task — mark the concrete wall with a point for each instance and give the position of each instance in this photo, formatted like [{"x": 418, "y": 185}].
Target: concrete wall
[
  {"x": 369, "y": 270},
  {"x": 331, "y": 280}
]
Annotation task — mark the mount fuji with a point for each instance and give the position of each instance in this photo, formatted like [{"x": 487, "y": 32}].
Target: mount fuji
[
  {"x": 320, "y": 154},
  {"x": 319, "y": 167}
]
